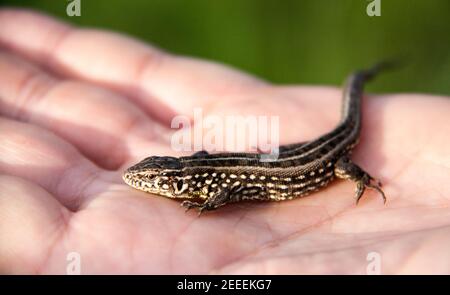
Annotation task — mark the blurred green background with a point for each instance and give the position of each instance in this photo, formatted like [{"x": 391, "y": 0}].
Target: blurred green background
[{"x": 307, "y": 42}]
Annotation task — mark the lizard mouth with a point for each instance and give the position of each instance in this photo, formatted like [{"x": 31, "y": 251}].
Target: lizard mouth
[
  {"x": 149, "y": 185},
  {"x": 139, "y": 182}
]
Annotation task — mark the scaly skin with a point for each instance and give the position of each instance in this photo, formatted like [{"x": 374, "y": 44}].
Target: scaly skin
[{"x": 64, "y": 145}]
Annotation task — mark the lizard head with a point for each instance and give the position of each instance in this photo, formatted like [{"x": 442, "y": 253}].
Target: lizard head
[{"x": 158, "y": 175}]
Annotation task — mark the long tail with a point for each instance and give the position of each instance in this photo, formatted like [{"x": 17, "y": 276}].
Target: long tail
[{"x": 382, "y": 66}]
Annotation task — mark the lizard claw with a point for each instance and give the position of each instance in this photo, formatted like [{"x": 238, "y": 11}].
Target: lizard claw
[
  {"x": 377, "y": 181},
  {"x": 189, "y": 205}
]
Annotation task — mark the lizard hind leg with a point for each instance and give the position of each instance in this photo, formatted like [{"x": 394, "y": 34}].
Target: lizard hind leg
[{"x": 346, "y": 169}]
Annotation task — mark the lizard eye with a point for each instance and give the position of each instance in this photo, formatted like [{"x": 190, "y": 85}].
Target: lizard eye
[{"x": 180, "y": 186}]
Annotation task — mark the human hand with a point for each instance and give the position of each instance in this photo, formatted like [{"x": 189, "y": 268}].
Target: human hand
[{"x": 78, "y": 106}]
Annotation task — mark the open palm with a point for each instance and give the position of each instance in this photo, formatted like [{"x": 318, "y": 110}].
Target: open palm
[{"x": 79, "y": 106}]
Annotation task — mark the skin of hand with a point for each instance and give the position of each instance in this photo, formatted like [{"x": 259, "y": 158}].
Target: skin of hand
[{"x": 78, "y": 106}]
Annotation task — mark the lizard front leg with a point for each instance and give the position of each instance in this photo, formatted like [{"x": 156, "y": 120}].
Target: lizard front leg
[
  {"x": 225, "y": 196},
  {"x": 222, "y": 197}
]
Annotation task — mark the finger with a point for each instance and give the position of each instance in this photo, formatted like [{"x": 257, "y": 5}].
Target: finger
[
  {"x": 101, "y": 124},
  {"x": 39, "y": 156},
  {"x": 151, "y": 77},
  {"x": 31, "y": 223}
]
